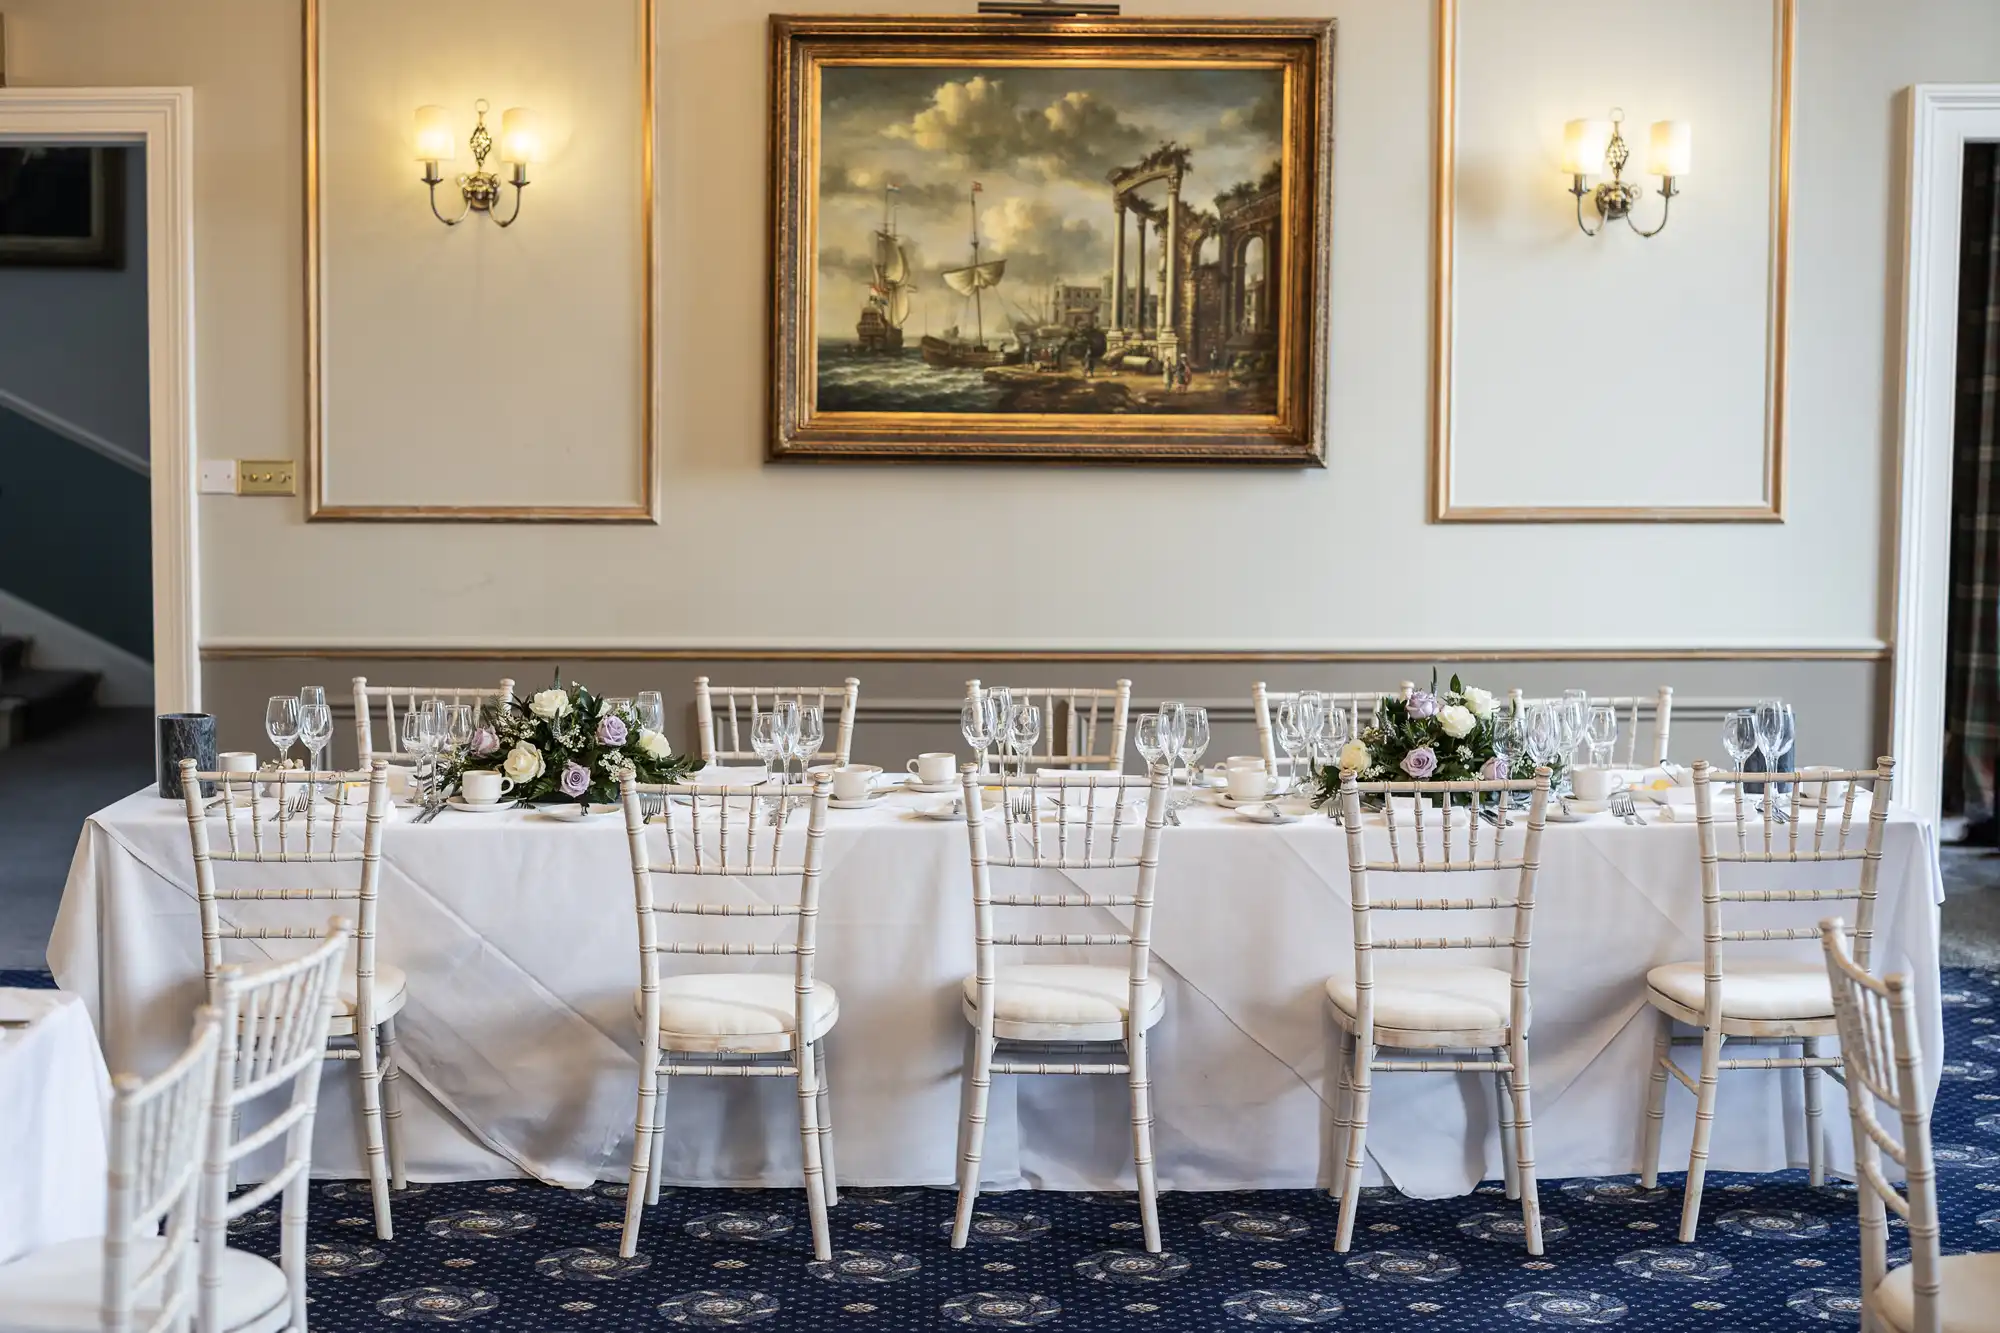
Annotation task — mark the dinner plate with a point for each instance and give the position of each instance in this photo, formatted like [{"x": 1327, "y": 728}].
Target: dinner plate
[{"x": 1266, "y": 812}]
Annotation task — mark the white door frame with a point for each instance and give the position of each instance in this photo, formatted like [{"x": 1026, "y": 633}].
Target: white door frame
[
  {"x": 1943, "y": 118},
  {"x": 163, "y": 120}
]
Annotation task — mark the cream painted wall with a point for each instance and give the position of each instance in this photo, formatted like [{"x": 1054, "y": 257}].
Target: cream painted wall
[
  {"x": 459, "y": 359},
  {"x": 1403, "y": 582}
]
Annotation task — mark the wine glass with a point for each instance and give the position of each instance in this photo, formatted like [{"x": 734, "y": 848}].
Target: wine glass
[
  {"x": 976, "y": 720},
  {"x": 1194, "y": 744},
  {"x": 1173, "y": 726},
  {"x": 316, "y": 730},
  {"x": 1000, "y": 715},
  {"x": 281, "y": 723},
  {"x": 1146, "y": 735},
  {"x": 617, "y": 705},
  {"x": 651, "y": 710},
  {"x": 1544, "y": 731},
  {"x": 1312, "y": 706},
  {"x": 805, "y": 742},
  {"x": 1739, "y": 735},
  {"x": 1292, "y": 733},
  {"x": 1602, "y": 733},
  {"x": 1775, "y": 730},
  {"x": 312, "y": 694},
  {"x": 1024, "y": 728},
  {"x": 1331, "y": 736},
  {"x": 785, "y": 726},
  {"x": 764, "y": 740}
]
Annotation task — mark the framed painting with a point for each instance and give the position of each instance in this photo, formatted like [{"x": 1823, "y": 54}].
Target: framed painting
[
  {"x": 62, "y": 206},
  {"x": 1030, "y": 239}
]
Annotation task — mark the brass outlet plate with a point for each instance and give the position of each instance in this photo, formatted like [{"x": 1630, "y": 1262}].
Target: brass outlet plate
[{"x": 267, "y": 476}]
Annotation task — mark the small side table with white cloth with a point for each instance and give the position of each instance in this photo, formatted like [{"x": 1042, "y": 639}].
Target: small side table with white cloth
[{"x": 55, "y": 1103}]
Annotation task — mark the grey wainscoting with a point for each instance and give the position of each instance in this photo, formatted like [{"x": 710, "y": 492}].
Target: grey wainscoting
[{"x": 910, "y": 704}]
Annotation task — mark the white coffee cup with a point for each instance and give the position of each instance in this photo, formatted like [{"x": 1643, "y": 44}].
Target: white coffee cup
[
  {"x": 482, "y": 786},
  {"x": 236, "y": 761},
  {"x": 1595, "y": 784},
  {"x": 398, "y": 777},
  {"x": 850, "y": 783},
  {"x": 1249, "y": 784},
  {"x": 935, "y": 768},
  {"x": 1814, "y": 789}
]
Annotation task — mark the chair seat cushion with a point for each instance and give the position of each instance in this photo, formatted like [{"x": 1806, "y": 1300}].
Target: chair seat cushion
[
  {"x": 392, "y": 990},
  {"x": 60, "y": 1288},
  {"x": 1065, "y": 1001},
  {"x": 737, "y": 1011},
  {"x": 1432, "y": 997},
  {"x": 1968, "y": 1297},
  {"x": 1755, "y": 988}
]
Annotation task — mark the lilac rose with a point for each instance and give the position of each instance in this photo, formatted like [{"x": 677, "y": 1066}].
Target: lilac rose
[
  {"x": 484, "y": 741},
  {"x": 1494, "y": 770},
  {"x": 1421, "y": 762},
  {"x": 611, "y": 729},
  {"x": 1423, "y": 704},
  {"x": 575, "y": 779}
]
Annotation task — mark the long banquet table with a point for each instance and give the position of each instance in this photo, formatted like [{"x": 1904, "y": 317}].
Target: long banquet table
[{"x": 517, "y": 932}]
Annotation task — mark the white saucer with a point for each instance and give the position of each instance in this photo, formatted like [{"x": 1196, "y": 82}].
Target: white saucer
[
  {"x": 1266, "y": 812},
  {"x": 871, "y": 798},
  {"x": 458, "y": 803},
  {"x": 928, "y": 788},
  {"x": 568, "y": 812},
  {"x": 946, "y": 812},
  {"x": 1229, "y": 802},
  {"x": 1580, "y": 808}
]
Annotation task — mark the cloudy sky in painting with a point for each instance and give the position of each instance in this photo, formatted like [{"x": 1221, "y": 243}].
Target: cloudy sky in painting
[{"x": 1040, "y": 142}]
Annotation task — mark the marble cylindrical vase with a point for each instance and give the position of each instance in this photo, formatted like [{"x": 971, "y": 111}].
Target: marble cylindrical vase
[{"x": 185, "y": 736}]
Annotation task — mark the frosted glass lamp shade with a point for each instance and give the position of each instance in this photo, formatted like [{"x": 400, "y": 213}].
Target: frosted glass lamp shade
[
  {"x": 1672, "y": 150},
  {"x": 1584, "y": 145},
  {"x": 520, "y": 136},
  {"x": 435, "y": 141}
]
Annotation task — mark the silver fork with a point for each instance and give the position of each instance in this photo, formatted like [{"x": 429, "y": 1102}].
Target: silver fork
[{"x": 1621, "y": 805}]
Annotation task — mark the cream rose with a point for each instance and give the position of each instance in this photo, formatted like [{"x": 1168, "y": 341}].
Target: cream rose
[
  {"x": 1354, "y": 757},
  {"x": 523, "y": 762},
  {"x": 549, "y": 705},
  {"x": 653, "y": 745},
  {"x": 1457, "y": 720},
  {"x": 1480, "y": 701}
]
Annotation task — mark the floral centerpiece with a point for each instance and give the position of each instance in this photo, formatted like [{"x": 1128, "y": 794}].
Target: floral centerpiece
[
  {"x": 1450, "y": 735},
  {"x": 566, "y": 746}
]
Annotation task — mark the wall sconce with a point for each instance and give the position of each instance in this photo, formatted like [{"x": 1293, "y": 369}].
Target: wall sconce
[
  {"x": 1588, "y": 145},
  {"x": 520, "y": 144}
]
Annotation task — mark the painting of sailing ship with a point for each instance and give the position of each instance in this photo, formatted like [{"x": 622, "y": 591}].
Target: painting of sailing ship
[{"x": 1088, "y": 242}]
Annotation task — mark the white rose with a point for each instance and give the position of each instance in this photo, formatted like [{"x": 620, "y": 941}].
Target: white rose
[
  {"x": 653, "y": 745},
  {"x": 523, "y": 762},
  {"x": 1354, "y": 757},
  {"x": 1457, "y": 721},
  {"x": 1480, "y": 701},
  {"x": 549, "y": 705}
]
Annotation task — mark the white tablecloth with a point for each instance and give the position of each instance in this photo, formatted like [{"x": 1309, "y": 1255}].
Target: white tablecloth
[
  {"x": 518, "y": 936},
  {"x": 55, "y": 1099}
]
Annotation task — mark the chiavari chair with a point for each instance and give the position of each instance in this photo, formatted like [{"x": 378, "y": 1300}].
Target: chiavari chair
[
  {"x": 1635, "y": 712},
  {"x": 723, "y": 714},
  {"x": 1063, "y": 1018},
  {"x": 479, "y": 696},
  {"x": 273, "y": 1044},
  {"x": 1882, "y": 1060},
  {"x": 1082, "y": 728},
  {"x": 139, "y": 1278},
  {"x": 290, "y": 832},
  {"x": 1765, "y": 1001},
  {"x": 1357, "y": 704},
  {"x": 729, "y": 1024},
  {"x": 1442, "y": 1017}
]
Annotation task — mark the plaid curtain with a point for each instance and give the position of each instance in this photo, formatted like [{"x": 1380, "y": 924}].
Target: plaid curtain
[{"x": 1972, "y": 683}]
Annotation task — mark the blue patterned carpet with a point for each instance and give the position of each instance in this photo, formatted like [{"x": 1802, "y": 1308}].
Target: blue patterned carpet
[{"x": 1773, "y": 1253}]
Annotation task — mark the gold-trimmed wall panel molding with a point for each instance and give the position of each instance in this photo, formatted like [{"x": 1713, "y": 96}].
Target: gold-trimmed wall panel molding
[
  {"x": 1605, "y": 320},
  {"x": 487, "y": 335}
]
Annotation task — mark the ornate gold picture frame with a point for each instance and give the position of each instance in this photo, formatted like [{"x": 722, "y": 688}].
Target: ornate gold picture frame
[
  {"x": 1030, "y": 239},
  {"x": 1444, "y": 507}
]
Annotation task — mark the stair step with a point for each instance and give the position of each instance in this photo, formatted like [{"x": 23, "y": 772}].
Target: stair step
[
  {"x": 47, "y": 699},
  {"x": 13, "y": 654}
]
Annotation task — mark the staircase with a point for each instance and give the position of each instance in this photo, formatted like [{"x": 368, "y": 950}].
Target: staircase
[{"x": 38, "y": 701}]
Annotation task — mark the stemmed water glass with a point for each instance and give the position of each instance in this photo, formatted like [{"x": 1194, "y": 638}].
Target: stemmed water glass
[
  {"x": 1510, "y": 742},
  {"x": 1775, "y": 728},
  {"x": 1193, "y": 744},
  {"x": 316, "y": 730},
  {"x": 650, "y": 710},
  {"x": 281, "y": 724},
  {"x": 1602, "y": 733},
  {"x": 976, "y": 720},
  {"x": 1292, "y": 734},
  {"x": 1146, "y": 735},
  {"x": 1024, "y": 728},
  {"x": 1543, "y": 731},
  {"x": 806, "y": 739}
]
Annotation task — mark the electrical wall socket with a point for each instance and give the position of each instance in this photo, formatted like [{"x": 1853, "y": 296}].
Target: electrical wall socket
[
  {"x": 266, "y": 476},
  {"x": 218, "y": 476}
]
